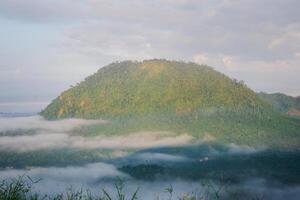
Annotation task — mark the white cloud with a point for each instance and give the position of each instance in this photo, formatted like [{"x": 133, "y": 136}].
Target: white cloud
[
  {"x": 290, "y": 40},
  {"x": 38, "y": 122},
  {"x": 297, "y": 54},
  {"x": 158, "y": 157},
  {"x": 59, "y": 178},
  {"x": 242, "y": 149},
  {"x": 275, "y": 42},
  {"x": 60, "y": 44},
  {"x": 200, "y": 58},
  {"x": 58, "y": 134},
  {"x": 228, "y": 62},
  {"x": 46, "y": 140}
]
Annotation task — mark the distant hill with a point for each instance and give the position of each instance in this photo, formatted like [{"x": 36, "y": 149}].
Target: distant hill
[
  {"x": 180, "y": 97},
  {"x": 151, "y": 86},
  {"x": 284, "y": 103}
]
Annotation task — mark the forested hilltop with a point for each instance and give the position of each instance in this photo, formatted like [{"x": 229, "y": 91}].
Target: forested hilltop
[
  {"x": 152, "y": 86},
  {"x": 174, "y": 96}
]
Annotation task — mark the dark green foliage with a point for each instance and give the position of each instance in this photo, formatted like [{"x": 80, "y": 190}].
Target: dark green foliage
[
  {"x": 272, "y": 165},
  {"x": 144, "y": 171},
  {"x": 57, "y": 157}
]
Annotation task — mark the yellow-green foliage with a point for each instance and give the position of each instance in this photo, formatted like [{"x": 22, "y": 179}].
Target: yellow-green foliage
[
  {"x": 152, "y": 86},
  {"x": 180, "y": 97}
]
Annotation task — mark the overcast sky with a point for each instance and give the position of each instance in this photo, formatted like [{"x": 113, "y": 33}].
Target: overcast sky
[{"x": 45, "y": 46}]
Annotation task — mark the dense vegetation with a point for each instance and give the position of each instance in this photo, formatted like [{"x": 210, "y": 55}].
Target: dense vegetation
[
  {"x": 274, "y": 166},
  {"x": 286, "y": 104},
  {"x": 196, "y": 162},
  {"x": 56, "y": 157},
  {"x": 152, "y": 86},
  {"x": 174, "y": 96}
]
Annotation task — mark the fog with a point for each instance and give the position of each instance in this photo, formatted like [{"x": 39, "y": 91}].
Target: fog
[
  {"x": 159, "y": 157},
  {"x": 154, "y": 148},
  {"x": 89, "y": 173},
  {"x": 101, "y": 175},
  {"x": 35, "y": 133},
  {"x": 45, "y": 140},
  {"x": 38, "y": 122}
]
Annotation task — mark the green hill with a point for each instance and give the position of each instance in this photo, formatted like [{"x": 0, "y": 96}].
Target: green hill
[
  {"x": 173, "y": 96},
  {"x": 284, "y": 103},
  {"x": 152, "y": 86}
]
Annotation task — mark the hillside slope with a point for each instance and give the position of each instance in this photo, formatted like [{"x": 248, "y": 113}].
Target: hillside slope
[
  {"x": 178, "y": 97},
  {"x": 151, "y": 86},
  {"x": 284, "y": 103}
]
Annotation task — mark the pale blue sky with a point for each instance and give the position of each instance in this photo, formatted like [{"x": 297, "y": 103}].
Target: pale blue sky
[{"x": 45, "y": 46}]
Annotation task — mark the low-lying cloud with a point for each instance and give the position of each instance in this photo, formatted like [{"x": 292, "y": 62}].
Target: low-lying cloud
[
  {"x": 38, "y": 122},
  {"x": 101, "y": 175},
  {"x": 58, "y": 134},
  {"x": 58, "y": 179},
  {"x": 158, "y": 157},
  {"x": 62, "y": 140},
  {"x": 89, "y": 172},
  {"x": 241, "y": 149}
]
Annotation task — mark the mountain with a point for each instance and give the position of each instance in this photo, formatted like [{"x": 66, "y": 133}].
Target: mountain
[
  {"x": 284, "y": 103},
  {"x": 151, "y": 86},
  {"x": 178, "y": 97}
]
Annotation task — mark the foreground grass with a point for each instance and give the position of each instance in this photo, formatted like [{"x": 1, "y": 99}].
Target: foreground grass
[{"x": 21, "y": 188}]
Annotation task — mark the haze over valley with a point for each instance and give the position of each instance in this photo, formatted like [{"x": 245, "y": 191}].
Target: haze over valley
[{"x": 129, "y": 100}]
